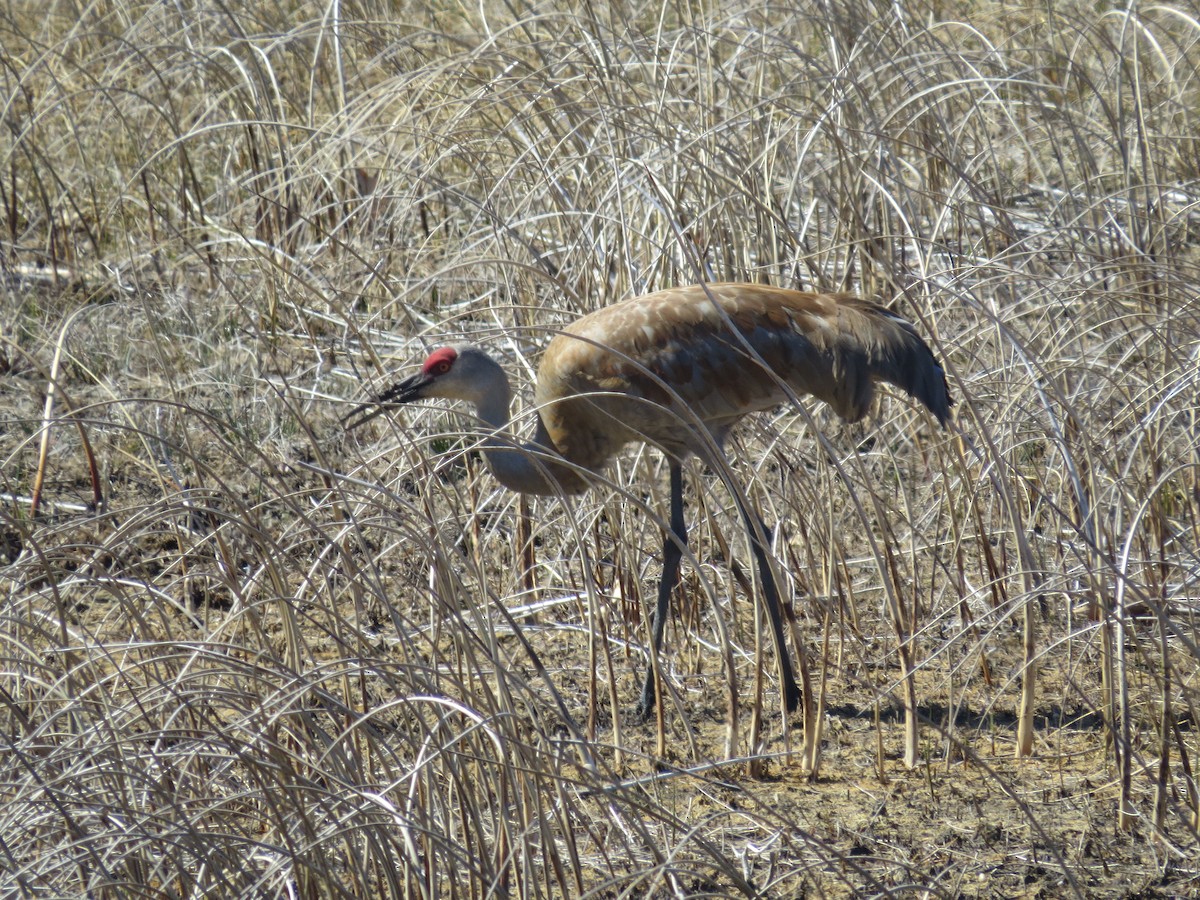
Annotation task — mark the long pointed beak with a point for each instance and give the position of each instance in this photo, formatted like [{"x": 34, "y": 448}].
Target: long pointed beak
[{"x": 402, "y": 392}]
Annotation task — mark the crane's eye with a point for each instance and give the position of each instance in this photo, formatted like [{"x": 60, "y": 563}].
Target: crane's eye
[{"x": 442, "y": 367}]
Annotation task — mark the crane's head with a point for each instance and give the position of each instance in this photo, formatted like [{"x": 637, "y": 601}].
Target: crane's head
[{"x": 456, "y": 372}]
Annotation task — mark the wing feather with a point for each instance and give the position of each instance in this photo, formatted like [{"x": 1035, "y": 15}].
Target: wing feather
[{"x": 646, "y": 368}]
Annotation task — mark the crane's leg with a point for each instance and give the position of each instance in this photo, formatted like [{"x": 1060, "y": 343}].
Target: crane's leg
[
  {"x": 758, "y": 531},
  {"x": 672, "y": 554}
]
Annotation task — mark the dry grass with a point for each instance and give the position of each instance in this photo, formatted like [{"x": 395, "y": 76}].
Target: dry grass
[{"x": 247, "y": 654}]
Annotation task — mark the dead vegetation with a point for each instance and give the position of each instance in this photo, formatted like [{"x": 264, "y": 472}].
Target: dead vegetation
[{"x": 247, "y": 654}]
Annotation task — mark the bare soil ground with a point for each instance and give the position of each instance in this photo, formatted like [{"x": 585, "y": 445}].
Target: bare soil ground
[{"x": 244, "y": 652}]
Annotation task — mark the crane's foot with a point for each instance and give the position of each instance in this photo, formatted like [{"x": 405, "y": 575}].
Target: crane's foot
[
  {"x": 648, "y": 701},
  {"x": 792, "y": 695}
]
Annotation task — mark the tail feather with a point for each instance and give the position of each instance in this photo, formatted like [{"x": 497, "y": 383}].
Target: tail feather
[
  {"x": 912, "y": 367},
  {"x": 878, "y": 345}
]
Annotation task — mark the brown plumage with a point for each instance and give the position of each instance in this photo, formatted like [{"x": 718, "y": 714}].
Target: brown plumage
[{"x": 667, "y": 367}]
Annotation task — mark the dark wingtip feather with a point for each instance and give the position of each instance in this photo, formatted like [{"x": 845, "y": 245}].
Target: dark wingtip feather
[
  {"x": 909, "y": 363},
  {"x": 934, "y": 391}
]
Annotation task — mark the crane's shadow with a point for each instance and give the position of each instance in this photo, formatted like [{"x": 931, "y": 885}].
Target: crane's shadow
[{"x": 939, "y": 715}]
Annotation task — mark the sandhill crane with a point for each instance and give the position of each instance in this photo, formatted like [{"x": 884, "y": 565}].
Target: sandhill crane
[{"x": 677, "y": 369}]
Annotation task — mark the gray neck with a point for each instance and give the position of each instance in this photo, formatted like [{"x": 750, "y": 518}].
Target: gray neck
[{"x": 532, "y": 468}]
